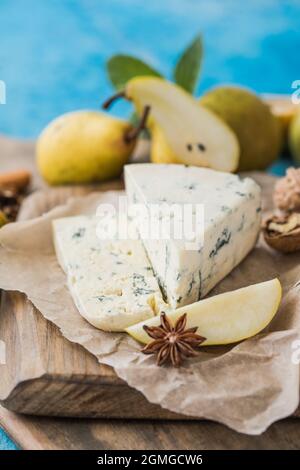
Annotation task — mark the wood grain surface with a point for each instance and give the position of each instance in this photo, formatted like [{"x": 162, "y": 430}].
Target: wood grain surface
[
  {"x": 47, "y": 375},
  {"x": 36, "y": 433},
  {"x": 66, "y": 433}
]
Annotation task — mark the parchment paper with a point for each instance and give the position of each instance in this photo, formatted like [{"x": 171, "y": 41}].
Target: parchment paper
[{"x": 246, "y": 386}]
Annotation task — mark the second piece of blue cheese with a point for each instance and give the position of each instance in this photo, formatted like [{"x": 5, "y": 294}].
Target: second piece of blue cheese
[
  {"x": 231, "y": 224},
  {"x": 111, "y": 280}
]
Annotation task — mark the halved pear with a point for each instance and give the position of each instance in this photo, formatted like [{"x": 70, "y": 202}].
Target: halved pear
[
  {"x": 225, "y": 318},
  {"x": 194, "y": 134}
]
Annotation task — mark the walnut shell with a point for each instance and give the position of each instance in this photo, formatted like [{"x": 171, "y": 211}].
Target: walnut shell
[
  {"x": 283, "y": 232},
  {"x": 287, "y": 191}
]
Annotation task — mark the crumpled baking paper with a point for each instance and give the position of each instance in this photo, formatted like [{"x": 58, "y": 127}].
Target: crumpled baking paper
[{"x": 246, "y": 386}]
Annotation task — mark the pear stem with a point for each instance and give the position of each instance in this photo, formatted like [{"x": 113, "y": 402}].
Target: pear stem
[
  {"x": 112, "y": 99},
  {"x": 134, "y": 133}
]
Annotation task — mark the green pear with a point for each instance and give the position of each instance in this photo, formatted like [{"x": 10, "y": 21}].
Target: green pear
[{"x": 258, "y": 131}]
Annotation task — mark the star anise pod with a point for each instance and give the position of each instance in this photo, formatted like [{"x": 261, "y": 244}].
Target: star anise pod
[{"x": 172, "y": 343}]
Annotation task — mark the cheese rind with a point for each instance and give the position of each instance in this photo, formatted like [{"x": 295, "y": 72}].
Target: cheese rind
[
  {"x": 232, "y": 208},
  {"x": 111, "y": 281}
]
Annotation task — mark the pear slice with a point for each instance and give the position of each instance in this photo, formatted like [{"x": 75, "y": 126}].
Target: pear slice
[
  {"x": 225, "y": 318},
  {"x": 194, "y": 134}
]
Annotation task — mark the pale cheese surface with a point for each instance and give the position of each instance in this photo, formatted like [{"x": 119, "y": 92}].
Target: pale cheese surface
[
  {"x": 111, "y": 281},
  {"x": 232, "y": 214}
]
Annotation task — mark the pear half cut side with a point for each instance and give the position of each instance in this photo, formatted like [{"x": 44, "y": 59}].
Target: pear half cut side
[
  {"x": 194, "y": 134},
  {"x": 225, "y": 318}
]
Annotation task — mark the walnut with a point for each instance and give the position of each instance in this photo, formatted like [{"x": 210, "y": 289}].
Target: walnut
[
  {"x": 283, "y": 232},
  {"x": 287, "y": 191}
]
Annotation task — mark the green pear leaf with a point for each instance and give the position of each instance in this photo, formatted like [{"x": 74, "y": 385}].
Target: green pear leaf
[
  {"x": 121, "y": 68},
  {"x": 187, "y": 69}
]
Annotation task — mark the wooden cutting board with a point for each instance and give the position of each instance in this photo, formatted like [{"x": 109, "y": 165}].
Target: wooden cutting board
[
  {"x": 47, "y": 375},
  {"x": 37, "y": 433},
  {"x": 43, "y": 368}
]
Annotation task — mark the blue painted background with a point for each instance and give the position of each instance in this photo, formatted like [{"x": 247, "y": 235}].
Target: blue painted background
[{"x": 52, "y": 52}]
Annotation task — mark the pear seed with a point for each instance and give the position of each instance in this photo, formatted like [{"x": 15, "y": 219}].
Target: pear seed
[{"x": 201, "y": 147}]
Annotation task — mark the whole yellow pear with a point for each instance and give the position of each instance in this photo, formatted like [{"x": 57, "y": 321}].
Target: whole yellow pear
[{"x": 83, "y": 147}]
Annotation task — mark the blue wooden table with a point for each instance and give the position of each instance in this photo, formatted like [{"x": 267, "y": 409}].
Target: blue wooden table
[{"x": 5, "y": 442}]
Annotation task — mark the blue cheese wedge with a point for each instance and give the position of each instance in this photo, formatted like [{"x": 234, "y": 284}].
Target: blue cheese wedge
[
  {"x": 111, "y": 281},
  {"x": 231, "y": 223}
]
